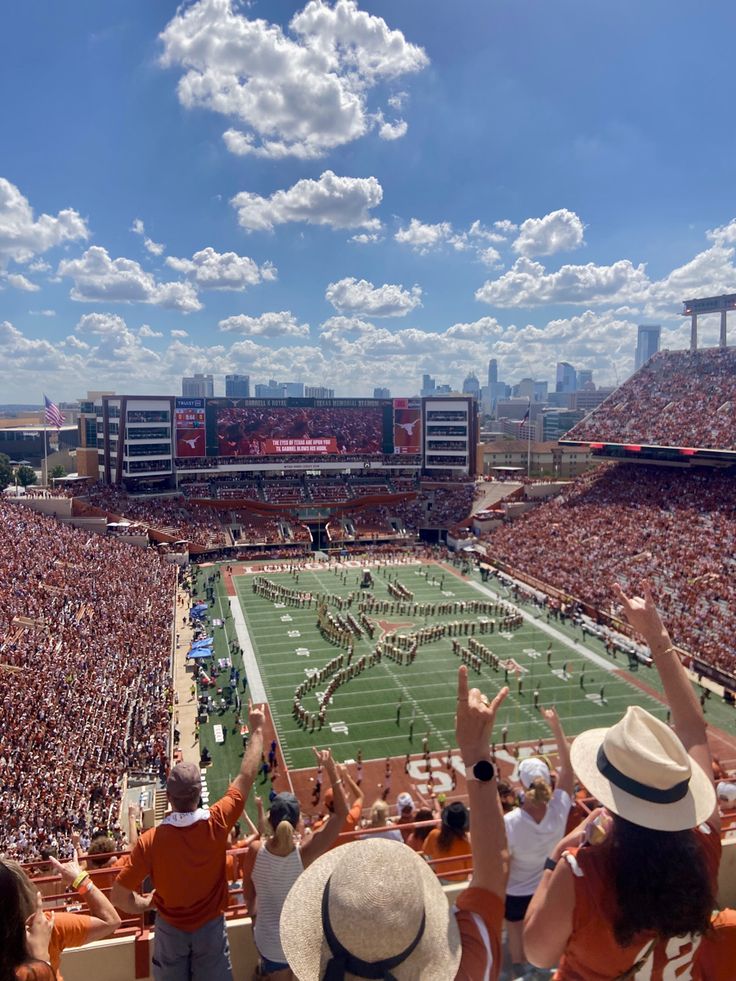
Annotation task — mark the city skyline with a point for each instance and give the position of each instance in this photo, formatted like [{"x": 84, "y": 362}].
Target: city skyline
[{"x": 395, "y": 218}]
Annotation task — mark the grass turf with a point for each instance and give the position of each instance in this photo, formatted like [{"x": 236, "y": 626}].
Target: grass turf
[{"x": 367, "y": 705}]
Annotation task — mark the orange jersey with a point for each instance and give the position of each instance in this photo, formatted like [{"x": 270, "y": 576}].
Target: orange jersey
[
  {"x": 70, "y": 930},
  {"x": 592, "y": 953},
  {"x": 479, "y": 916},
  {"x": 458, "y": 847},
  {"x": 187, "y": 865}
]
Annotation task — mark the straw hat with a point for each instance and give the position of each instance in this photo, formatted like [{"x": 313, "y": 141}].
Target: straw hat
[
  {"x": 640, "y": 770},
  {"x": 349, "y": 896}
]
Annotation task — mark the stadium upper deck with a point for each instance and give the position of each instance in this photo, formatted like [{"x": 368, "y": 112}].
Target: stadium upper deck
[{"x": 680, "y": 404}]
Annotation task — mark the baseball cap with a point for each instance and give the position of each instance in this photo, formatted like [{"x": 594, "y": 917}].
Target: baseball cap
[
  {"x": 404, "y": 801},
  {"x": 284, "y": 807},
  {"x": 184, "y": 781},
  {"x": 531, "y": 769},
  {"x": 726, "y": 791}
]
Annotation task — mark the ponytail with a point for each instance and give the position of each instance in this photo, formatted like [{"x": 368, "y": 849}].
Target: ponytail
[
  {"x": 283, "y": 836},
  {"x": 540, "y": 791}
]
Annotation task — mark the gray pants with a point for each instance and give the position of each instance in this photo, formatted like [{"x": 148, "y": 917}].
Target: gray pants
[{"x": 203, "y": 955}]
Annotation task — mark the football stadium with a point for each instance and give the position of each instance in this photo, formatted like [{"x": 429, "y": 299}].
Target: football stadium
[{"x": 317, "y": 560}]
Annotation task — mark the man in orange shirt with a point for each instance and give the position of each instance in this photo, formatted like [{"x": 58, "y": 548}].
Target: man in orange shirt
[
  {"x": 185, "y": 857},
  {"x": 354, "y": 814}
]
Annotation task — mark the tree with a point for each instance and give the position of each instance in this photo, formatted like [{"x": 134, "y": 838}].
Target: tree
[
  {"x": 6, "y": 472},
  {"x": 25, "y": 476},
  {"x": 57, "y": 471}
]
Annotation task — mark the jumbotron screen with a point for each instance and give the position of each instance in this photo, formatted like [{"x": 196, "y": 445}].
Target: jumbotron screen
[{"x": 312, "y": 427}]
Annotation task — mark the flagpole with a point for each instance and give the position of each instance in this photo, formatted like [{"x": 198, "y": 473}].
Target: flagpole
[
  {"x": 529, "y": 441},
  {"x": 46, "y": 449}
]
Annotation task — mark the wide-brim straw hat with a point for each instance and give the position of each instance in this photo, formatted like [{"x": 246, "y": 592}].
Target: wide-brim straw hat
[
  {"x": 640, "y": 770},
  {"x": 356, "y": 886}
]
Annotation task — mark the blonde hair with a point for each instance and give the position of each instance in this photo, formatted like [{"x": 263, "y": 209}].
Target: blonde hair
[
  {"x": 379, "y": 813},
  {"x": 540, "y": 791},
  {"x": 283, "y": 836}
]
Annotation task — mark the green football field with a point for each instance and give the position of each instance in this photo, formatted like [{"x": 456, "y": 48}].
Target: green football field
[{"x": 362, "y": 715}]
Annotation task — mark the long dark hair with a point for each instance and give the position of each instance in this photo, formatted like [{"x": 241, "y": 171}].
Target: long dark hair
[
  {"x": 12, "y": 925},
  {"x": 660, "y": 880}
]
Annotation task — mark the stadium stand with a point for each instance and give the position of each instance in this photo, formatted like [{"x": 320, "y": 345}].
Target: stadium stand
[
  {"x": 629, "y": 522},
  {"x": 678, "y": 398},
  {"x": 85, "y": 687}
]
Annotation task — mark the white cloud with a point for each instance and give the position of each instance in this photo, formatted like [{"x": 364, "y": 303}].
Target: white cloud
[
  {"x": 366, "y": 238},
  {"x": 297, "y": 95},
  {"x": 358, "y": 296},
  {"x": 725, "y": 235},
  {"x": 21, "y": 283},
  {"x": 179, "y": 333},
  {"x": 147, "y": 331},
  {"x": 505, "y": 226},
  {"x": 397, "y": 101},
  {"x": 341, "y": 202},
  {"x": 38, "y": 265},
  {"x": 490, "y": 257},
  {"x": 211, "y": 270},
  {"x": 98, "y": 277},
  {"x": 155, "y": 248},
  {"x": 42, "y": 313},
  {"x": 393, "y": 131},
  {"x": 422, "y": 237},
  {"x": 282, "y": 324},
  {"x": 528, "y": 284},
  {"x": 559, "y": 231},
  {"x": 22, "y": 236}
]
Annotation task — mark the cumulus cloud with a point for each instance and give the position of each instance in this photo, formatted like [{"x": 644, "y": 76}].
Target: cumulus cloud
[
  {"x": 297, "y": 94},
  {"x": 528, "y": 284},
  {"x": 147, "y": 331},
  {"x": 19, "y": 282},
  {"x": 358, "y": 296},
  {"x": 282, "y": 324},
  {"x": 179, "y": 333},
  {"x": 559, "y": 231},
  {"x": 98, "y": 277},
  {"x": 423, "y": 238},
  {"x": 211, "y": 270},
  {"x": 366, "y": 238},
  {"x": 340, "y": 202},
  {"x": 22, "y": 236},
  {"x": 155, "y": 248},
  {"x": 393, "y": 131},
  {"x": 42, "y": 313}
]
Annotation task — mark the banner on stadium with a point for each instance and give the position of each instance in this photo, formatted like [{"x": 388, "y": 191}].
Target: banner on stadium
[
  {"x": 407, "y": 426},
  {"x": 326, "y": 445}
]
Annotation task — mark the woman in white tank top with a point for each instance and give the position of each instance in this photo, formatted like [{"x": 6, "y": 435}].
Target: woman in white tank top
[{"x": 279, "y": 862}]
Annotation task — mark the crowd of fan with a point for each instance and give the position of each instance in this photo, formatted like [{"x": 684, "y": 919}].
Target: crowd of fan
[
  {"x": 631, "y": 522},
  {"x": 85, "y": 685},
  {"x": 679, "y": 398}
]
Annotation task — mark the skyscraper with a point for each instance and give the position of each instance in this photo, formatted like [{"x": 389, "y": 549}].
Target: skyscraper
[
  {"x": 237, "y": 386},
  {"x": 647, "y": 343},
  {"x": 585, "y": 377},
  {"x": 198, "y": 386},
  {"x": 471, "y": 386},
  {"x": 492, "y": 372},
  {"x": 566, "y": 377},
  {"x": 381, "y": 393}
]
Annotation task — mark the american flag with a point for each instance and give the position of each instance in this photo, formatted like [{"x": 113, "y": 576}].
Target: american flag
[{"x": 53, "y": 413}]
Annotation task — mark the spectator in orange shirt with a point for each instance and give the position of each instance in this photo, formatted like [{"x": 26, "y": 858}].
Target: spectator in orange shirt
[
  {"x": 640, "y": 900},
  {"x": 356, "y": 808},
  {"x": 185, "y": 856},
  {"x": 70, "y": 929},
  {"x": 341, "y": 918},
  {"x": 450, "y": 840}
]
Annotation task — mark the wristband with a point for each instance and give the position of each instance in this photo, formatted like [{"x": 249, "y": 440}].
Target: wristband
[
  {"x": 85, "y": 887},
  {"x": 551, "y": 864},
  {"x": 80, "y": 879}
]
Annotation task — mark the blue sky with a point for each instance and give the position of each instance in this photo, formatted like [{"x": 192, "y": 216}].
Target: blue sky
[{"x": 354, "y": 193}]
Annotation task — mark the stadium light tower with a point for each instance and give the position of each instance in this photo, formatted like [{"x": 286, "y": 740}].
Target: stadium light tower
[{"x": 708, "y": 304}]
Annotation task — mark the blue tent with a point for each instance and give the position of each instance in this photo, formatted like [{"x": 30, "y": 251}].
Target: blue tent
[
  {"x": 205, "y": 642},
  {"x": 195, "y": 654}
]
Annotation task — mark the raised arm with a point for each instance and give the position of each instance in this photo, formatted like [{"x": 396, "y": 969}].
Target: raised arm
[
  {"x": 687, "y": 715},
  {"x": 322, "y": 840},
  {"x": 355, "y": 791},
  {"x": 252, "y": 757},
  {"x": 564, "y": 769},
  {"x": 104, "y": 918},
  {"x": 473, "y": 727}
]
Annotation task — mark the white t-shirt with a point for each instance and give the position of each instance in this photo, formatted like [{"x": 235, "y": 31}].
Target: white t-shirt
[{"x": 530, "y": 843}]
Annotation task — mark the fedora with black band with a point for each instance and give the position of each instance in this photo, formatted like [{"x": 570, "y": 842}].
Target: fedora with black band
[
  {"x": 343, "y": 917},
  {"x": 640, "y": 770}
]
